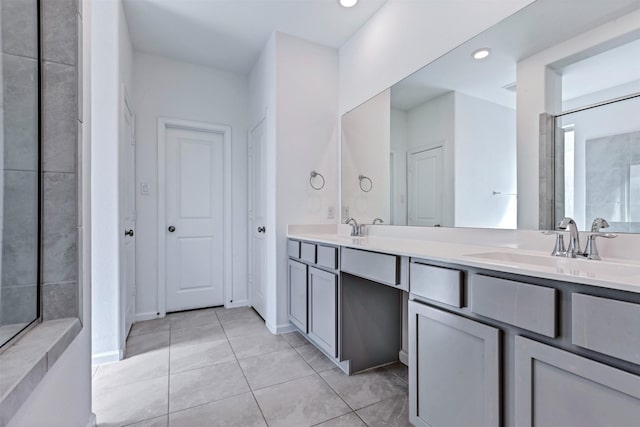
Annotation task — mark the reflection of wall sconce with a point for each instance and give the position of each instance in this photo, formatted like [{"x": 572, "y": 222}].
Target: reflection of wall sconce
[
  {"x": 318, "y": 186},
  {"x": 366, "y": 184}
]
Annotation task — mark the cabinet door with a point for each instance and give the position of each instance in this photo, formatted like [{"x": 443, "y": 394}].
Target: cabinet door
[
  {"x": 298, "y": 294},
  {"x": 323, "y": 310},
  {"x": 454, "y": 370},
  {"x": 557, "y": 388}
]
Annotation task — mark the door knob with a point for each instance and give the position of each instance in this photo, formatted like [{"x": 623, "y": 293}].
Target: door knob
[
  {"x": 171, "y": 229},
  {"x": 128, "y": 233},
  {"x": 261, "y": 229}
]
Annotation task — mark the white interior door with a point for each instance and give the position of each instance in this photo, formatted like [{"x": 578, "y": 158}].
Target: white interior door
[
  {"x": 257, "y": 230},
  {"x": 128, "y": 221},
  {"x": 194, "y": 217},
  {"x": 425, "y": 186}
]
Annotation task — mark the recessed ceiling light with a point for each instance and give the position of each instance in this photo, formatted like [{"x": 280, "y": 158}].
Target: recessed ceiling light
[
  {"x": 348, "y": 3},
  {"x": 481, "y": 53}
]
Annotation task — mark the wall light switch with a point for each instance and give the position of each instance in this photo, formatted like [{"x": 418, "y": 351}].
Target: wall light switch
[{"x": 145, "y": 188}]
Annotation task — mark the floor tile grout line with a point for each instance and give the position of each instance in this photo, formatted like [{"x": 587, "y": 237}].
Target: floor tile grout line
[
  {"x": 200, "y": 405},
  {"x": 335, "y": 391},
  {"x": 335, "y": 418},
  {"x": 263, "y": 354},
  {"x": 247, "y": 381},
  {"x": 284, "y": 382},
  {"x": 169, "y": 376},
  {"x": 228, "y": 397}
]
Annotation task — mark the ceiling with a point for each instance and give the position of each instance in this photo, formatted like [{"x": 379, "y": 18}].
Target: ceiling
[
  {"x": 538, "y": 26},
  {"x": 230, "y": 34}
]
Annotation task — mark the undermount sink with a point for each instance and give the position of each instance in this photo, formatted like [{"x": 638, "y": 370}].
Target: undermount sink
[
  {"x": 572, "y": 266},
  {"x": 517, "y": 258}
]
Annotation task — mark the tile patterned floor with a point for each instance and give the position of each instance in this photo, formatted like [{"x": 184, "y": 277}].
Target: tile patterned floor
[{"x": 218, "y": 367}]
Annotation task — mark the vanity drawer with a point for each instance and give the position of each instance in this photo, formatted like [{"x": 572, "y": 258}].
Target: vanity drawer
[
  {"x": 293, "y": 248},
  {"x": 606, "y": 326},
  {"x": 436, "y": 283},
  {"x": 380, "y": 268},
  {"x": 526, "y": 306},
  {"x": 308, "y": 252},
  {"x": 327, "y": 257}
]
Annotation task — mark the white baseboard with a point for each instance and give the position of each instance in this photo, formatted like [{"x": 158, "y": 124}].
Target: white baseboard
[
  {"x": 107, "y": 357},
  {"x": 235, "y": 304},
  {"x": 92, "y": 420},
  {"x": 141, "y": 317},
  {"x": 280, "y": 329},
  {"x": 404, "y": 357}
]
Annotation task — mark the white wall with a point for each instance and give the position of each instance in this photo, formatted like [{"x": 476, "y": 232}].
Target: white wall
[
  {"x": 602, "y": 95},
  {"x": 167, "y": 88},
  {"x": 485, "y": 158},
  {"x": 307, "y": 139},
  {"x": 63, "y": 397},
  {"x": 399, "y": 137},
  {"x": 432, "y": 124},
  {"x": 111, "y": 64},
  {"x": 294, "y": 84},
  {"x": 539, "y": 91},
  {"x": 366, "y": 136},
  {"x": 403, "y": 36}
]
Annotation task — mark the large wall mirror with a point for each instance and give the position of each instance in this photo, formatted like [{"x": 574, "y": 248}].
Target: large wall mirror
[
  {"x": 20, "y": 160},
  {"x": 440, "y": 148}
]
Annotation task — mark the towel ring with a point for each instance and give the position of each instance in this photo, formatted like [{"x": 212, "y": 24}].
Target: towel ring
[
  {"x": 313, "y": 175},
  {"x": 365, "y": 187}
]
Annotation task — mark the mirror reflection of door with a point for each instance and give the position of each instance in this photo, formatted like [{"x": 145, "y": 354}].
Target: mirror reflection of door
[{"x": 425, "y": 186}]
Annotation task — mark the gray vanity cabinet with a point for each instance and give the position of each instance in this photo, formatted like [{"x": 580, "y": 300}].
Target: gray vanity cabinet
[
  {"x": 323, "y": 310},
  {"x": 454, "y": 370},
  {"x": 297, "y": 272},
  {"x": 556, "y": 388}
]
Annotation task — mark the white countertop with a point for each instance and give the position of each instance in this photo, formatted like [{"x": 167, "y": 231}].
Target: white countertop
[{"x": 614, "y": 274}]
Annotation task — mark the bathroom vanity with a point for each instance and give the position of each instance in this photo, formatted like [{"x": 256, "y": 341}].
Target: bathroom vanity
[{"x": 496, "y": 336}]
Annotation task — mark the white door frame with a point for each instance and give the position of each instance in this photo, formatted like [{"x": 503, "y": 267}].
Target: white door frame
[{"x": 165, "y": 123}]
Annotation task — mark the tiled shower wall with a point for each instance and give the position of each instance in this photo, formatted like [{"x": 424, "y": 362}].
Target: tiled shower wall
[
  {"x": 610, "y": 192},
  {"x": 60, "y": 121},
  {"x": 20, "y": 175}
]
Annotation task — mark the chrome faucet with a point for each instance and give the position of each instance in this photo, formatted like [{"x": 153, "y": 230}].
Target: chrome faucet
[
  {"x": 591, "y": 250},
  {"x": 574, "y": 236},
  {"x": 598, "y": 224},
  {"x": 377, "y": 220},
  {"x": 355, "y": 229}
]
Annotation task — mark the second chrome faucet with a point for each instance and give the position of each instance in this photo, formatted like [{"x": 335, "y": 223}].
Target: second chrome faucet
[{"x": 574, "y": 250}]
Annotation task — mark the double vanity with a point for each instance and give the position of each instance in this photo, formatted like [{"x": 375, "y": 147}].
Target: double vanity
[{"x": 492, "y": 335}]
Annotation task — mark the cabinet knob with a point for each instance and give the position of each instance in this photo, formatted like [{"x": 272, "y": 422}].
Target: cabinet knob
[
  {"x": 262, "y": 229},
  {"x": 128, "y": 233},
  {"x": 171, "y": 229}
]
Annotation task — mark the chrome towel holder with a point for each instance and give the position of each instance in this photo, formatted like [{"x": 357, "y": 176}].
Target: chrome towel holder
[
  {"x": 365, "y": 187},
  {"x": 315, "y": 174}
]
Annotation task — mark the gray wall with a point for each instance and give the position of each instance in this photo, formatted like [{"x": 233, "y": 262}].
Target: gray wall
[{"x": 60, "y": 121}]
